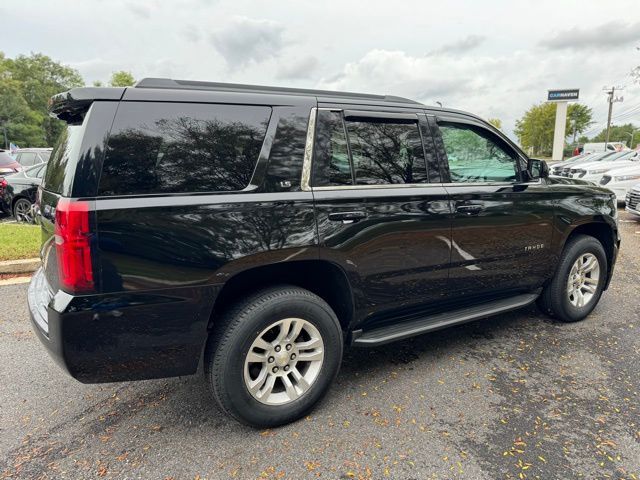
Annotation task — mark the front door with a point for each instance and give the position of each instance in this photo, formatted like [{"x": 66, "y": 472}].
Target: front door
[
  {"x": 382, "y": 213},
  {"x": 502, "y": 223}
]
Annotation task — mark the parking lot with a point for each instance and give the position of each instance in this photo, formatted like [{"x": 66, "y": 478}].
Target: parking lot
[{"x": 517, "y": 396}]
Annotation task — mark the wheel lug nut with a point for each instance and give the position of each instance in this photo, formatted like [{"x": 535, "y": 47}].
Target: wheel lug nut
[
  {"x": 278, "y": 348},
  {"x": 288, "y": 346},
  {"x": 293, "y": 356},
  {"x": 271, "y": 359},
  {"x": 275, "y": 369},
  {"x": 286, "y": 368}
]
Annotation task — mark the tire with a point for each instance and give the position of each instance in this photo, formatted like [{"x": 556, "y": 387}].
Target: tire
[
  {"x": 248, "y": 325},
  {"x": 557, "y": 300},
  {"x": 21, "y": 210}
]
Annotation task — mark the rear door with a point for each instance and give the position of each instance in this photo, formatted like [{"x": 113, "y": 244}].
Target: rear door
[
  {"x": 382, "y": 214},
  {"x": 502, "y": 223}
]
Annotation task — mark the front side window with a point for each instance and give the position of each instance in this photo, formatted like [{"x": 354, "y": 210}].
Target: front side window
[
  {"x": 477, "y": 155},
  {"x": 181, "y": 148},
  {"x": 376, "y": 151}
]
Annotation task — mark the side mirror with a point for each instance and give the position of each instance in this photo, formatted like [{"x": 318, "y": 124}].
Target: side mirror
[{"x": 537, "y": 168}]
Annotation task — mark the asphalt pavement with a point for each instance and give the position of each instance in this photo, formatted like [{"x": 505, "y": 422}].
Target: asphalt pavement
[{"x": 516, "y": 396}]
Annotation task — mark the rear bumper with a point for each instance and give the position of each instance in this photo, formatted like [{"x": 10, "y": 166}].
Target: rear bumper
[{"x": 123, "y": 336}]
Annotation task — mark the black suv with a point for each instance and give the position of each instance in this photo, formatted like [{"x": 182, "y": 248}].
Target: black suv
[{"x": 259, "y": 230}]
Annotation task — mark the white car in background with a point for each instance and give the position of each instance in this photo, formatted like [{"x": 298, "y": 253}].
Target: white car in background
[
  {"x": 633, "y": 200},
  {"x": 620, "y": 180},
  {"x": 594, "y": 171}
]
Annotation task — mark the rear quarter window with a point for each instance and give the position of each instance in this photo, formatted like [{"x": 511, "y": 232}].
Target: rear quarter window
[
  {"x": 64, "y": 157},
  {"x": 181, "y": 148}
]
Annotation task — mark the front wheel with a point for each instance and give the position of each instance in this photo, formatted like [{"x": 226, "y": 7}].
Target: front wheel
[
  {"x": 579, "y": 281},
  {"x": 273, "y": 356}
]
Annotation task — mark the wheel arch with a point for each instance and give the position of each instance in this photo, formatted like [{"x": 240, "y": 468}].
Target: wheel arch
[
  {"x": 605, "y": 234},
  {"x": 324, "y": 278}
]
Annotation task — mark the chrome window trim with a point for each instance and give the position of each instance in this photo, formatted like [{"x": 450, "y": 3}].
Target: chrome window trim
[{"x": 377, "y": 186}]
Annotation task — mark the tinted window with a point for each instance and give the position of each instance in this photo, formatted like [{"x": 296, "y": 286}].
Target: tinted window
[
  {"x": 331, "y": 157},
  {"x": 287, "y": 151},
  {"x": 477, "y": 155},
  {"x": 63, "y": 157},
  {"x": 386, "y": 152},
  {"x": 27, "y": 159},
  {"x": 176, "y": 148}
]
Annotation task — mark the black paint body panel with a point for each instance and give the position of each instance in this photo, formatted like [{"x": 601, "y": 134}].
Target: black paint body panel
[{"x": 162, "y": 260}]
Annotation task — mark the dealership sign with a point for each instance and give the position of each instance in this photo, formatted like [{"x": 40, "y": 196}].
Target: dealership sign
[{"x": 563, "y": 95}]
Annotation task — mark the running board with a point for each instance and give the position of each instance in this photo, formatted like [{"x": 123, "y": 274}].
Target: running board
[{"x": 399, "y": 331}]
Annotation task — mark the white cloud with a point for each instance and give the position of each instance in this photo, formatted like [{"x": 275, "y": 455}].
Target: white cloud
[
  {"x": 295, "y": 68},
  {"x": 601, "y": 37},
  {"x": 244, "y": 40}
]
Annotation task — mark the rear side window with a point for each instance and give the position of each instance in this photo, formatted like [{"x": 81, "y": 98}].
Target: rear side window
[
  {"x": 180, "y": 148},
  {"x": 386, "y": 152},
  {"x": 374, "y": 151},
  {"x": 331, "y": 156},
  {"x": 59, "y": 176}
]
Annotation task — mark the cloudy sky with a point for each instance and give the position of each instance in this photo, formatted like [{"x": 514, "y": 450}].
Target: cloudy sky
[{"x": 493, "y": 57}]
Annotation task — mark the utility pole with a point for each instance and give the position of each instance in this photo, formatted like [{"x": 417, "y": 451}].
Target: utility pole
[{"x": 611, "y": 99}]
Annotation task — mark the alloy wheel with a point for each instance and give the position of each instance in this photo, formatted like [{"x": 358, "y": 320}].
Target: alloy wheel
[
  {"x": 284, "y": 361},
  {"x": 582, "y": 283}
]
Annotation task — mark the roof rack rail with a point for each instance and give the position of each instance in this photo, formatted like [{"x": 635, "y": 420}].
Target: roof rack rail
[{"x": 233, "y": 87}]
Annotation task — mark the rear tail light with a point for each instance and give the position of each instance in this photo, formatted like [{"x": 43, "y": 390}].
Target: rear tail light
[
  {"x": 3, "y": 184},
  {"x": 73, "y": 246}
]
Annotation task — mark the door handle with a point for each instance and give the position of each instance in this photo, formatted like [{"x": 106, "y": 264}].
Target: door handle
[
  {"x": 469, "y": 209},
  {"x": 347, "y": 217}
]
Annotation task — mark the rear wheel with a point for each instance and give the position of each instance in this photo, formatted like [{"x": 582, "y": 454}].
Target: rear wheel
[
  {"x": 577, "y": 286},
  {"x": 22, "y": 210},
  {"x": 273, "y": 356}
]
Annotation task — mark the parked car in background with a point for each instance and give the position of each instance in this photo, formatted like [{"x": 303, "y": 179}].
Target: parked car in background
[
  {"x": 28, "y": 157},
  {"x": 18, "y": 192},
  {"x": 600, "y": 147},
  {"x": 8, "y": 165},
  {"x": 620, "y": 180},
  {"x": 556, "y": 168},
  {"x": 633, "y": 200},
  {"x": 594, "y": 157},
  {"x": 593, "y": 171}
]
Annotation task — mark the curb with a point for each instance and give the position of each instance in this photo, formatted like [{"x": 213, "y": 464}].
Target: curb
[{"x": 27, "y": 265}]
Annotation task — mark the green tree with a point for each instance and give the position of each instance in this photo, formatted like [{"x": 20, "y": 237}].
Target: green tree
[
  {"x": 36, "y": 78},
  {"x": 620, "y": 133},
  {"x": 536, "y": 127},
  {"x": 23, "y": 125},
  {"x": 121, "y": 79},
  {"x": 579, "y": 118},
  {"x": 496, "y": 122}
]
